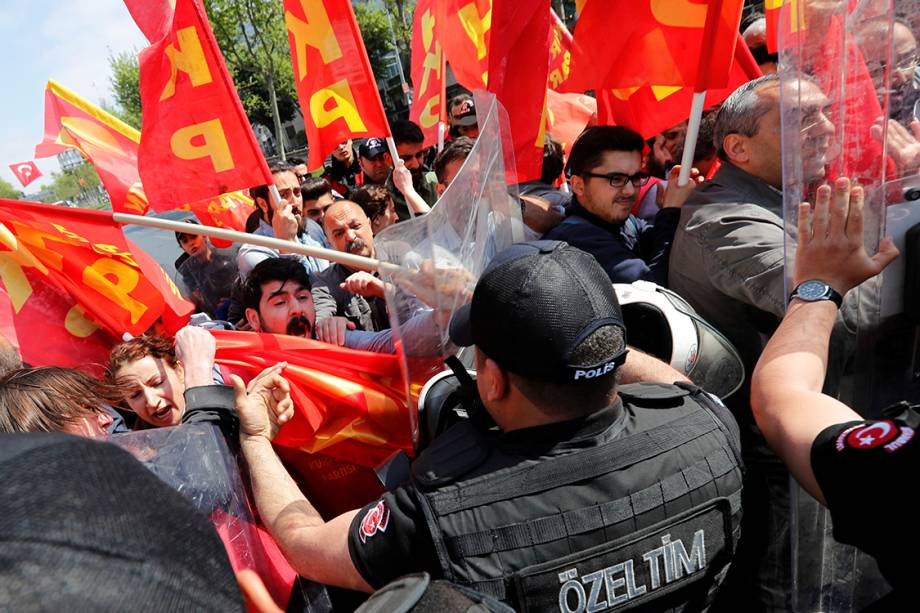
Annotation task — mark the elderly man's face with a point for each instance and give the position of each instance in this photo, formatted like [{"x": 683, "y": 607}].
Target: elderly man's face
[
  {"x": 874, "y": 43},
  {"x": 349, "y": 230}
]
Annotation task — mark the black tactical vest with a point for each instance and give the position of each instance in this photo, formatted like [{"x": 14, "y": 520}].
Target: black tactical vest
[{"x": 648, "y": 518}]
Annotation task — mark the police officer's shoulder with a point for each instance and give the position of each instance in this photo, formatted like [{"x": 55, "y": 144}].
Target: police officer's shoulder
[
  {"x": 653, "y": 395},
  {"x": 451, "y": 455}
]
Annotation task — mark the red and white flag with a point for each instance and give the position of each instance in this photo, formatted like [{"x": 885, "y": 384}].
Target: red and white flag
[{"x": 26, "y": 172}]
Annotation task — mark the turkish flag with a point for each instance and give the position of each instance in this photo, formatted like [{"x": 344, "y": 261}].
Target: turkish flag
[
  {"x": 560, "y": 53},
  {"x": 108, "y": 143},
  {"x": 518, "y": 64},
  {"x": 652, "y": 109},
  {"x": 337, "y": 90},
  {"x": 197, "y": 142},
  {"x": 26, "y": 172},
  {"x": 428, "y": 72},
  {"x": 84, "y": 252},
  {"x": 567, "y": 115},
  {"x": 630, "y": 43},
  {"x": 465, "y": 27}
]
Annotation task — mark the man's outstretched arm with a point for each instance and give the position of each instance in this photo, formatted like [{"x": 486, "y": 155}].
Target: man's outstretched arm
[
  {"x": 317, "y": 550},
  {"x": 786, "y": 386}
]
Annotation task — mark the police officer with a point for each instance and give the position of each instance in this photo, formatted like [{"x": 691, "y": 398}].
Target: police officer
[
  {"x": 863, "y": 470},
  {"x": 579, "y": 496}
]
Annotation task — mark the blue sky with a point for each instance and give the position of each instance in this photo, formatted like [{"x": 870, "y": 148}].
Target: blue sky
[{"x": 69, "y": 41}]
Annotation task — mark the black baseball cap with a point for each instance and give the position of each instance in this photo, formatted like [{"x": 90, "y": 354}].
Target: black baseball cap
[
  {"x": 463, "y": 113},
  {"x": 372, "y": 147},
  {"x": 533, "y": 306},
  {"x": 179, "y": 235}
]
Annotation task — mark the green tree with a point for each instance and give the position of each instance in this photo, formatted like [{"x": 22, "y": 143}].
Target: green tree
[
  {"x": 253, "y": 38},
  {"x": 378, "y": 39},
  {"x": 125, "y": 85},
  {"x": 80, "y": 185},
  {"x": 8, "y": 191}
]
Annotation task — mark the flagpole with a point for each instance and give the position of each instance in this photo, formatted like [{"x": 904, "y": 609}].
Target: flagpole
[
  {"x": 693, "y": 132},
  {"x": 441, "y": 131},
  {"x": 346, "y": 259},
  {"x": 391, "y": 145}
]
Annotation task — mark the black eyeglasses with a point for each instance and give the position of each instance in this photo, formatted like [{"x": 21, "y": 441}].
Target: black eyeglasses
[{"x": 618, "y": 179}]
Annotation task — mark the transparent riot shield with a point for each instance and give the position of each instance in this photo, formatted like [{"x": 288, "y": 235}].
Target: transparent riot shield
[
  {"x": 848, "y": 99},
  {"x": 208, "y": 281},
  {"x": 437, "y": 258},
  {"x": 195, "y": 461}
]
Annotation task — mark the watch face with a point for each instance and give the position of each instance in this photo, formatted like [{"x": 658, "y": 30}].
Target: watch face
[{"x": 812, "y": 290}]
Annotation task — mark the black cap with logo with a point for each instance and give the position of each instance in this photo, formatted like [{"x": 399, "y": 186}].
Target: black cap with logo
[
  {"x": 534, "y": 305},
  {"x": 372, "y": 148}
]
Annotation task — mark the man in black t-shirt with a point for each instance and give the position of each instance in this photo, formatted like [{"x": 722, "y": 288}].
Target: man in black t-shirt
[{"x": 863, "y": 470}]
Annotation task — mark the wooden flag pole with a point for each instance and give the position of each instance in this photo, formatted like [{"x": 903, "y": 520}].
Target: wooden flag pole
[{"x": 346, "y": 259}]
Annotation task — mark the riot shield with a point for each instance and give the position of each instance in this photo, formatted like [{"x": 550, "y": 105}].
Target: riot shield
[
  {"x": 848, "y": 99},
  {"x": 195, "y": 461},
  {"x": 208, "y": 283},
  {"x": 438, "y": 257}
]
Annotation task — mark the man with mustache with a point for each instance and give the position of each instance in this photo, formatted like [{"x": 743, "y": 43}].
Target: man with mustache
[
  {"x": 278, "y": 301},
  {"x": 727, "y": 262},
  {"x": 342, "y": 295},
  {"x": 606, "y": 166}
]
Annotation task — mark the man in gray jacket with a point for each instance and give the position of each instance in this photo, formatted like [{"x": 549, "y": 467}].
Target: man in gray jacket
[{"x": 727, "y": 261}]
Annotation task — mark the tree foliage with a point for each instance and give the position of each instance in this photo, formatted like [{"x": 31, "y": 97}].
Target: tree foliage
[
  {"x": 378, "y": 39},
  {"x": 8, "y": 191},
  {"x": 253, "y": 39},
  {"x": 80, "y": 185},
  {"x": 125, "y": 84}
]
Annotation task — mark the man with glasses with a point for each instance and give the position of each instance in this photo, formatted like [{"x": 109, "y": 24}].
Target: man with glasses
[
  {"x": 606, "y": 164},
  {"x": 410, "y": 146}
]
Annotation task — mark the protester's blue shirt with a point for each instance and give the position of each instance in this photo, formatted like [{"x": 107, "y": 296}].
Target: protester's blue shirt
[{"x": 632, "y": 251}]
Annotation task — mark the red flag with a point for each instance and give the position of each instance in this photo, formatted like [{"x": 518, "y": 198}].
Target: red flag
[
  {"x": 789, "y": 22},
  {"x": 465, "y": 27},
  {"x": 85, "y": 253},
  {"x": 652, "y": 109},
  {"x": 560, "y": 53},
  {"x": 567, "y": 115},
  {"x": 46, "y": 324},
  {"x": 228, "y": 211},
  {"x": 337, "y": 90},
  {"x": 517, "y": 77},
  {"x": 720, "y": 36},
  {"x": 153, "y": 17},
  {"x": 625, "y": 43},
  {"x": 197, "y": 142},
  {"x": 107, "y": 142},
  {"x": 428, "y": 72},
  {"x": 26, "y": 172}
]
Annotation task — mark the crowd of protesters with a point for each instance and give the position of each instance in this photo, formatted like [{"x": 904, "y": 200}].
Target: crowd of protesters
[{"x": 595, "y": 457}]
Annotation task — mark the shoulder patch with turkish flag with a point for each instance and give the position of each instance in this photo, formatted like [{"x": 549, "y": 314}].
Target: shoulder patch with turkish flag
[
  {"x": 885, "y": 434},
  {"x": 375, "y": 520}
]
